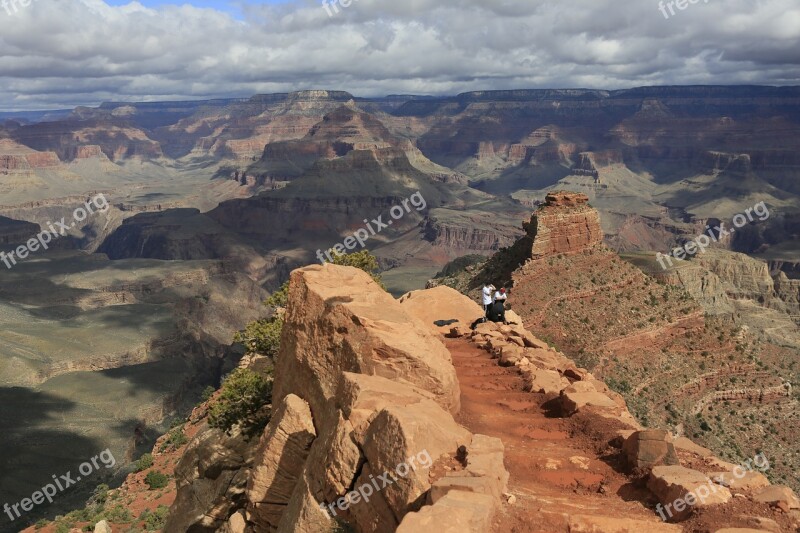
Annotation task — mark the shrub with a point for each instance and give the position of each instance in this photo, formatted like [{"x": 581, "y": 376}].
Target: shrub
[
  {"x": 175, "y": 438},
  {"x": 118, "y": 514},
  {"x": 156, "y": 480},
  {"x": 242, "y": 402},
  {"x": 156, "y": 520},
  {"x": 41, "y": 523},
  {"x": 280, "y": 297},
  {"x": 262, "y": 336},
  {"x": 144, "y": 462}
]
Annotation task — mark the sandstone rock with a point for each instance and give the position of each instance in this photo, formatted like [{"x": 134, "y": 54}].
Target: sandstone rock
[
  {"x": 648, "y": 448},
  {"x": 605, "y": 524},
  {"x": 514, "y": 319},
  {"x": 459, "y": 331},
  {"x": 303, "y": 513},
  {"x": 581, "y": 394},
  {"x": 441, "y": 308},
  {"x": 339, "y": 320},
  {"x": 236, "y": 524},
  {"x": 545, "y": 382},
  {"x": 543, "y": 358},
  {"x": 361, "y": 397},
  {"x": 456, "y": 512},
  {"x": 372, "y": 514},
  {"x": 565, "y": 224},
  {"x": 680, "y": 489},
  {"x": 761, "y": 523},
  {"x": 334, "y": 462},
  {"x": 777, "y": 494},
  {"x": 211, "y": 477},
  {"x": 462, "y": 481},
  {"x": 739, "y": 530},
  {"x": 279, "y": 461},
  {"x": 687, "y": 445},
  {"x": 398, "y": 434},
  {"x": 510, "y": 354},
  {"x": 485, "y": 328},
  {"x": 102, "y": 527},
  {"x": 741, "y": 479},
  {"x": 485, "y": 459}
]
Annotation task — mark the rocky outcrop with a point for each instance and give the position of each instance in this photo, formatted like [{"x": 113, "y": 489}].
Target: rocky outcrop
[
  {"x": 364, "y": 393},
  {"x": 211, "y": 479},
  {"x": 361, "y": 329},
  {"x": 565, "y": 224}
]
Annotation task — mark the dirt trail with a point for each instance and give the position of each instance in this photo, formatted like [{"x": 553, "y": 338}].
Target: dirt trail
[{"x": 554, "y": 467}]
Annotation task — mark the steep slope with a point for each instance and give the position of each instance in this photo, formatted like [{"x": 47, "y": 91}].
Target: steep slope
[{"x": 648, "y": 338}]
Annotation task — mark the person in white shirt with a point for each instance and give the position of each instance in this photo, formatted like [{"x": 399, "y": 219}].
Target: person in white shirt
[{"x": 488, "y": 300}]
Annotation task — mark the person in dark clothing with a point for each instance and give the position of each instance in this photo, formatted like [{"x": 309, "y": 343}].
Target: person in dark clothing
[{"x": 497, "y": 312}]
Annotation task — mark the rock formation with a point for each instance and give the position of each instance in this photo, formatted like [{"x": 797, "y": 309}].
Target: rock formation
[{"x": 566, "y": 224}]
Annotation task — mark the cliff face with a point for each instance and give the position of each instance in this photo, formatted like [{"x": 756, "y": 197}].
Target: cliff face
[
  {"x": 361, "y": 386},
  {"x": 566, "y": 224}
]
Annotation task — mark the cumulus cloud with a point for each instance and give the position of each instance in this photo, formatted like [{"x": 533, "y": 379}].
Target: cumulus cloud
[{"x": 60, "y": 53}]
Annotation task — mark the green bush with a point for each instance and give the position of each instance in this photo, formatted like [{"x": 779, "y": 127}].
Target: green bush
[
  {"x": 262, "y": 336},
  {"x": 207, "y": 393},
  {"x": 242, "y": 402},
  {"x": 156, "y": 480},
  {"x": 41, "y": 523},
  {"x": 280, "y": 297},
  {"x": 118, "y": 514},
  {"x": 144, "y": 462},
  {"x": 156, "y": 520},
  {"x": 175, "y": 439}
]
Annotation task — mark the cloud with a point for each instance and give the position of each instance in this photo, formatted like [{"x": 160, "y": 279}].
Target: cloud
[{"x": 60, "y": 53}]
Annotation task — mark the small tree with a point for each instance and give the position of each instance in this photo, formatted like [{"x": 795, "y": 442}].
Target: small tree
[
  {"x": 262, "y": 336},
  {"x": 242, "y": 402}
]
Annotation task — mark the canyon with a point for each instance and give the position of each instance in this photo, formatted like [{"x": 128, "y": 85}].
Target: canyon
[{"x": 561, "y": 195}]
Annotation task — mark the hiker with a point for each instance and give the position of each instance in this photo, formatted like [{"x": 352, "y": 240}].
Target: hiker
[
  {"x": 499, "y": 306},
  {"x": 488, "y": 299}
]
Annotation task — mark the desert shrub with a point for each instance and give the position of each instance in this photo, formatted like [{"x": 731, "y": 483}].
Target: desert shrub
[
  {"x": 118, "y": 514},
  {"x": 156, "y": 520},
  {"x": 242, "y": 402},
  {"x": 144, "y": 462},
  {"x": 41, "y": 523},
  {"x": 156, "y": 480},
  {"x": 280, "y": 297},
  {"x": 262, "y": 336},
  {"x": 175, "y": 438}
]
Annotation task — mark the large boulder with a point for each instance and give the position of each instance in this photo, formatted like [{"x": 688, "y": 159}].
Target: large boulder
[
  {"x": 442, "y": 308},
  {"x": 680, "y": 489},
  {"x": 778, "y": 496},
  {"x": 211, "y": 479},
  {"x": 648, "y": 448},
  {"x": 279, "y": 463},
  {"x": 339, "y": 320},
  {"x": 456, "y": 512}
]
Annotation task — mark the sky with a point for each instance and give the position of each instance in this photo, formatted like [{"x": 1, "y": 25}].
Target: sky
[{"x": 63, "y": 53}]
